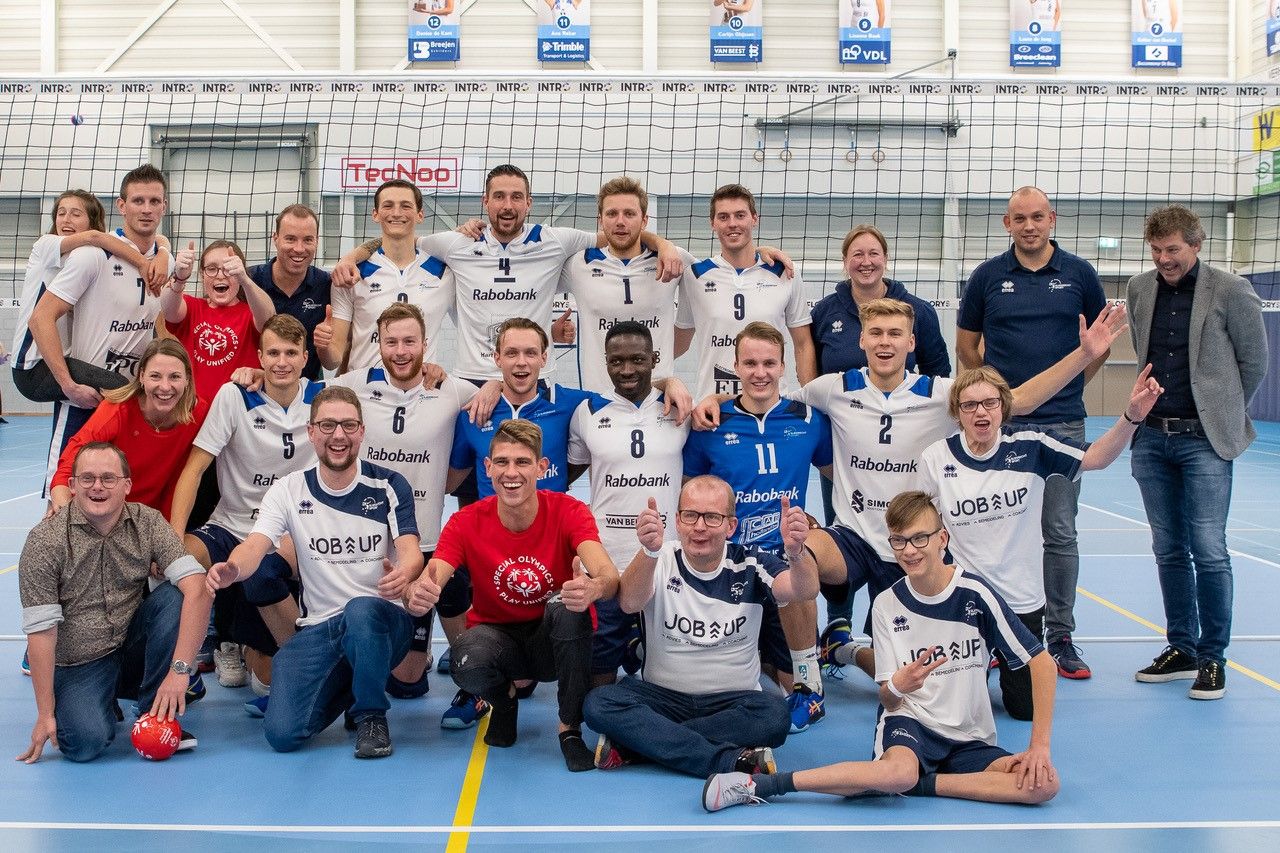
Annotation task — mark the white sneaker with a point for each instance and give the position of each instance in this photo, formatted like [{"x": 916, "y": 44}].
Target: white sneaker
[
  {"x": 729, "y": 789},
  {"x": 229, "y": 666},
  {"x": 257, "y": 686}
]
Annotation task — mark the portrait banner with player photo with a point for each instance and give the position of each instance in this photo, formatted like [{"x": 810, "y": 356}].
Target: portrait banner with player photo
[
  {"x": 1157, "y": 33},
  {"x": 865, "y": 35},
  {"x": 1273, "y": 27},
  {"x": 1035, "y": 33},
  {"x": 564, "y": 30},
  {"x": 737, "y": 30},
  {"x": 433, "y": 30}
]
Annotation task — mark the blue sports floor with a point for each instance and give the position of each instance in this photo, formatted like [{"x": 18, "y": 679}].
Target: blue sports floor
[{"x": 1142, "y": 766}]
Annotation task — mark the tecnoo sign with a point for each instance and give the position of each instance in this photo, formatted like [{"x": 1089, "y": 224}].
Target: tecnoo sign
[{"x": 354, "y": 175}]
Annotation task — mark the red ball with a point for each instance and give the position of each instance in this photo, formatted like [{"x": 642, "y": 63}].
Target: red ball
[{"x": 156, "y": 739}]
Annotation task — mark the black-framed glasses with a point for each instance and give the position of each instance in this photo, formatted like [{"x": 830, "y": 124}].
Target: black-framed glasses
[
  {"x": 328, "y": 425},
  {"x": 711, "y": 519},
  {"x": 897, "y": 542},
  {"x": 213, "y": 271},
  {"x": 972, "y": 405},
  {"x": 108, "y": 481}
]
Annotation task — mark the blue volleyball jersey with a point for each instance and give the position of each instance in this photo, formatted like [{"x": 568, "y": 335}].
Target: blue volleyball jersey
[{"x": 763, "y": 459}]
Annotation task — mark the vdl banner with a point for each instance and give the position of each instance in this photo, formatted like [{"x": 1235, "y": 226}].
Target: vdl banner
[
  {"x": 564, "y": 30},
  {"x": 433, "y": 30},
  {"x": 865, "y": 32},
  {"x": 1035, "y": 33},
  {"x": 737, "y": 30},
  {"x": 1157, "y": 33}
]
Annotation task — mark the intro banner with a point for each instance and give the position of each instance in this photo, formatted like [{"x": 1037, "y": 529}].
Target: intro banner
[
  {"x": 1157, "y": 33},
  {"x": 1035, "y": 33},
  {"x": 865, "y": 32},
  {"x": 433, "y": 30},
  {"x": 737, "y": 30},
  {"x": 564, "y": 30}
]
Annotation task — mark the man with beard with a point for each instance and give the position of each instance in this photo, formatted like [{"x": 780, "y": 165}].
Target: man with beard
[{"x": 356, "y": 624}]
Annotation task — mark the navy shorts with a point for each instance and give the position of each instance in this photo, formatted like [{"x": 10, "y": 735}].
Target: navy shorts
[
  {"x": 935, "y": 753},
  {"x": 864, "y": 566},
  {"x": 614, "y": 629},
  {"x": 273, "y": 581}
]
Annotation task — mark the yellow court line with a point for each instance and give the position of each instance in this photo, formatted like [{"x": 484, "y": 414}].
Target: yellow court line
[
  {"x": 1243, "y": 670},
  {"x": 470, "y": 793},
  {"x": 6, "y": 571}
]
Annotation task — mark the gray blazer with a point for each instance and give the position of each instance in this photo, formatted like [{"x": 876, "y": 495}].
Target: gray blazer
[{"x": 1228, "y": 351}]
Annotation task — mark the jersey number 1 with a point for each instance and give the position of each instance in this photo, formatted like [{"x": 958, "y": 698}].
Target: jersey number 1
[{"x": 763, "y": 450}]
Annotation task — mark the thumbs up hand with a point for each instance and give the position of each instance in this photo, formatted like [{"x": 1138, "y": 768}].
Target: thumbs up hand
[
  {"x": 394, "y": 580},
  {"x": 185, "y": 262},
  {"x": 795, "y": 527},
  {"x": 650, "y": 529},
  {"x": 581, "y": 590},
  {"x": 563, "y": 331},
  {"x": 322, "y": 337}
]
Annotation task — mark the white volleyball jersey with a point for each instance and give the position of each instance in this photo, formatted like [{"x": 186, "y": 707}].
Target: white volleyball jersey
[
  {"x": 701, "y": 630},
  {"x": 340, "y": 537},
  {"x": 991, "y": 505},
  {"x": 426, "y": 283},
  {"x": 608, "y": 290},
  {"x": 42, "y": 265},
  {"x": 635, "y": 454},
  {"x": 494, "y": 281},
  {"x": 877, "y": 440},
  {"x": 411, "y": 432},
  {"x": 114, "y": 315},
  {"x": 256, "y": 441},
  {"x": 717, "y": 300},
  {"x": 965, "y": 622}
]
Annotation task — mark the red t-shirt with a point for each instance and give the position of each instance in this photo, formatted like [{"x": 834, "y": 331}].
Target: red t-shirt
[
  {"x": 513, "y": 574},
  {"x": 156, "y": 457},
  {"x": 218, "y": 340}
]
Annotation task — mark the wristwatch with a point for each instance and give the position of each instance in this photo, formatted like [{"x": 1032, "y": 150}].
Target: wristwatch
[{"x": 182, "y": 667}]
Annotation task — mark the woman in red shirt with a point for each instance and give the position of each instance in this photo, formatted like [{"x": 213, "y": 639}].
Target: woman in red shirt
[
  {"x": 219, "y": 331},
  {"x": 154, "y": 420}
]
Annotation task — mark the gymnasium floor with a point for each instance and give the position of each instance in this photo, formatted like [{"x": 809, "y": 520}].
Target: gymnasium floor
[{"x": 1142, "y": 766}]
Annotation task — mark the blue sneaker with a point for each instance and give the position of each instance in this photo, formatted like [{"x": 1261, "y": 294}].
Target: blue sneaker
[
  {"x": 26, "y": 665},
  {"x": 464, "y": 711},
  {"x": 807, "y": 707},
  {"x": 195, "y": 687},
  {"x": 442, "y": 666},
  {"x": 257, "y": 707},
  {"x": 837, "y": 633}
]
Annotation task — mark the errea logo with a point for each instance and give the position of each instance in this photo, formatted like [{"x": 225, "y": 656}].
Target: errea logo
[
  {"x": 306, "y": 508},
  {"x": 259, "y": 422},
  {"x": 596, "y": 272},
  {"x": 730, "y": 439},
  {"x": 837, "y": 327},
  {"x": 1006, "y": 286},
  {"x": 116, "y": 269},
  {"x": 675, "y": 584},
  {"x": 604, "y": 423},
  {"x": 900, "y": 624},
  {"x": 949, "y": 471}
]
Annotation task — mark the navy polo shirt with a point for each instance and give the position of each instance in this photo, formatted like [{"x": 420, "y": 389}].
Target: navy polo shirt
[
  {"x": 307, "y": 305},
  {"x": 836, "y": 329},
  {"x": 1029, "y": 321}
]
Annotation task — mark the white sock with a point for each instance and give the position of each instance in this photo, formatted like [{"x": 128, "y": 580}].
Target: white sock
[
  {"x": 805, "y": 669},
  {"x": 844, "y": 655}
]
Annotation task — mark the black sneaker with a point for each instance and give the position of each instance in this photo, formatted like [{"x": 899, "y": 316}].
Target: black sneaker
[
  {"x": 373, "y": 737},
  {"x": 1067, "y": 655},
  {"x": 186, "y": 741},
  {"x": 1211, "y": 681},
  {"x": 756, "y": 760},
  {"x": 1169, "y": 665}
]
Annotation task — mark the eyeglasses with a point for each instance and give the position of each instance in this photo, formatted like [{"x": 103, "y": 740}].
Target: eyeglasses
[
  {"x": 349, "y": 426},
  {"x": 711, "y": 519},
  {"x": 897, "y": 543},
  {"x": 972, "y": 405},
  {"x": 214, "y": 271},
  {"x": 108, "y": 481}
]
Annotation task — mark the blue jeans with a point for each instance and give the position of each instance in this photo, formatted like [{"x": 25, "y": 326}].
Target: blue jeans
[
  {"x": 1186, "y": 490},
  {"x": 85, "y": 694},
  {"x": 1061, "y": 560},
  {"x": 338, "y": 665},
  {"x": 696, "y": 734}
]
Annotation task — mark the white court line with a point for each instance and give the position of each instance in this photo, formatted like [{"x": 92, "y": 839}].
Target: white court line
[
  {"x": 714, "y": 829},
  {"x": 1232, "y": 551},
  {"x": 19, "y": 497}
]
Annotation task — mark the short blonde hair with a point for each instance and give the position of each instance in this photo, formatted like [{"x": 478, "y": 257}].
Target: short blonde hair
[
  {"x": 518, "y": 431},
  {"x": 885, "y": 307},
  {"x": 976, "y": 376},
  {"x": 906, "y": 508},
  {"x": 622, "y": 185}
]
